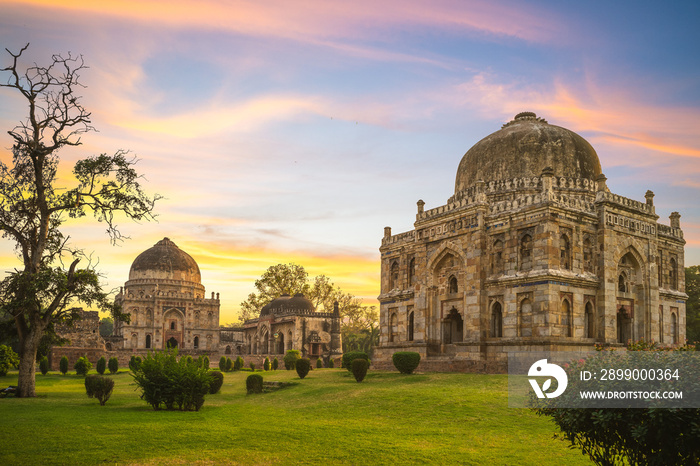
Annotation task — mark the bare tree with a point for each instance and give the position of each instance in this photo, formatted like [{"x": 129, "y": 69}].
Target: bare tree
[{"x": 32, "y": 209}]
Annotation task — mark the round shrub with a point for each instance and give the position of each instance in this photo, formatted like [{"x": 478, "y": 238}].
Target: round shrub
[
  {"x": 135, "y": 363},
  {"x": 101, "y": 365},
  {"x": 350, "y": 356},
  {"x": 217, "y": 380},
  {"x": 99, "y": 387},
  {"x": 82, "y": 366},
  {"x": 291, "y": 358},
  {"x": 359, "y": 368},
  {"x": 319, "y": 363},
  {"x": 254, "y": 383},
  {"x": 303, "y": 366},
  {"x": 44, "y": 365},
  {"x": 275, "y": 364},
  {"x": 113, "y": 365},
  {"x": 222, "y": 363},
  {"x": 406, "y": 361},
  {"x": 63, "y": 365},
  {"x": 10, "y": 359},
  {"x": 266, "y": 364}
]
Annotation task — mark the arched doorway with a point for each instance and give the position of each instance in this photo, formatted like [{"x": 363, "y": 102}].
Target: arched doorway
[
  {"x": 453, "y": 326},
  {"x": 280, "y": 342},
  {"x": 172, "y": 343},
  {"x": 496, "y": 320},
  {"x": 631, "y": 298}
]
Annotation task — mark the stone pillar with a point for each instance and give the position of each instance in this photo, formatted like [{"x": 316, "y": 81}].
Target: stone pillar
[{"x": 675, "y": 218}]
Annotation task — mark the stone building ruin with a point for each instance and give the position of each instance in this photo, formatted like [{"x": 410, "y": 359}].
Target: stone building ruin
[{"x": 532, "y": 252}]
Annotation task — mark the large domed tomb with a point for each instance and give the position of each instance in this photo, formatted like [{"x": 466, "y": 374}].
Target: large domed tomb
[{"x": 533, "y": 252}]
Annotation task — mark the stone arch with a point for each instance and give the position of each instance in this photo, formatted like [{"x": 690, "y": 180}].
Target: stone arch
[
  {"x": 445, "y": 249},
  {"x": 589, "y": 329},
  {"x": 673, "y": 274},
  {"x": 453, "y": 327},
  {"x": 289, "y": 340},
  {"x": 564, "y": 252},
  {"x": 149, "y": 341},
  {"x": 497, "y": 257},
  {"x": 496, "y": 319},
  {"x": 195, "y": 343},
  {"x": 525, "y": 318},
  {"x": 394, "y": 275},
  {"x": 393, "y": 327},
  {"x": 412, "y": 271},
  {"x": 264, "y": 334},
  {"x": 452, "y": 284},
  {"x": 525, "y": 248},
  {"x": 567, "y": 316},
  {"x": 410, "y": 326},
  {"x": 674, "y": 328}
]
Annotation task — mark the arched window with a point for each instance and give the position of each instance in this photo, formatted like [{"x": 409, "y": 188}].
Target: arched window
[
  {"x": 148, "y": 341},
  {"x": 564, "y": 252},
  {"x": 673, "y": 274},
  {"x": 196, "y": 342},
  {"x": 496, "y": 320},
  {"x": 394, "y": 276},
  {"x": 674, "y": 328},
  {"x": 134, "y": 340},
  {"x": 525, "y": 319},
  {"x": 412, "y": 271},
  {"x": 453, "y": 287},
  {"x": 393, "y": 328},
  {"x": 172, "y": 325},
  {"x": 497, "y": 257},
  {"x": 526, "y": 252},
  {"x": 622, "y": 283},
  {"x": 589, "y": 321},
  {"x": 567, "y": 318},
  {"x": 587, "y": 255},
  {"x": 661, "y": 323},
  {"x": 410, "y": 326}
]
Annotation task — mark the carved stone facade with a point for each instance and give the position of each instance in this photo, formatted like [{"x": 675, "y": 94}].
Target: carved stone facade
[
  {"x": 166, "y": 301},
  {"x": 293, "y": 323},
  {"x": 533, "y": 252}
]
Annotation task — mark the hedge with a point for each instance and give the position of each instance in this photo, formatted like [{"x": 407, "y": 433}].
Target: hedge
[{"x": 406, "y": 361}]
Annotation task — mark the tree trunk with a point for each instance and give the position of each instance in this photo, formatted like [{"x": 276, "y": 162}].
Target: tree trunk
[{"x": 29, "y": 346}]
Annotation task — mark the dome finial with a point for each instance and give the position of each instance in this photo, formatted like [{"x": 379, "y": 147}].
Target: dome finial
[{"x": 525, "y": 116}]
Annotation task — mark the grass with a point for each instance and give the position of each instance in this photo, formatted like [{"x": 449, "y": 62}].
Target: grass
[{"x": 389, "y": 418}]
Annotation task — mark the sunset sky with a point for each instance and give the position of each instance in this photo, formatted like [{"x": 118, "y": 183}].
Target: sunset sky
[{"x": 294, "y": 131}]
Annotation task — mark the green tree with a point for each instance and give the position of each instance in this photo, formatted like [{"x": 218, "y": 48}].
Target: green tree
[
  {"x": 692, "y": 306},
  {"x": 8, "y": 359},
  {"x": 106, "y": 326},
  {"x": 33, "y": 208}
]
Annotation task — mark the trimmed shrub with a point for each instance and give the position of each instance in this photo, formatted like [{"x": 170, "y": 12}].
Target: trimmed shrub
[
  {"x": 82, "y": 366},
  {"x": 359, "y": 368},
  {"x": 101, "y": 365},
  {"x": 9, "y": 359},
  {"x": 63, "y": 365},
  {"x": 222, "y": 364},
  {"x": 167, "y": 382},
  {"x": 319, "y": 363},
  {"x": 350, "y": 356},
  {"x": 254, "y": 383},
  {"x": 229, "y": 365},
  {"x": 44, "y": 365},
  {"x": 204, "y": 361},
  {"x": 291, "y": 358},
  {"x": 303, "y": 366},
  {"x": 113, "y": 365},
  {"x": 217, "y": 380},
  {"x": 406, "y": 361},
  {"x": 266, "y": 364},
  {"x": 135, "y": 363},
  {"x": 238, "y": 364},
  {"x": 99, "y": 387},
  {"x": 252, "y": 366},
  {"x": 331, "y": 364},
  {"x": 275, "y": 364}
]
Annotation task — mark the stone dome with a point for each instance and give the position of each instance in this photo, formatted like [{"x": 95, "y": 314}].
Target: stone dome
[
  {"x": 524, "y": 147},
  {"x": 165, "y": 261},
  {"x": 286, "y": 304}
]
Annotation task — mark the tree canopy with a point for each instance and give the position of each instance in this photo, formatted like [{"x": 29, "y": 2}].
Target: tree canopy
[
  {"x": 692, "y": 306},
  {"x": 33, "y": 206}
]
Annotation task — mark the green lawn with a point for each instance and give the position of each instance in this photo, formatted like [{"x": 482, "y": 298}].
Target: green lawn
[{"x": 328, "y": 417}]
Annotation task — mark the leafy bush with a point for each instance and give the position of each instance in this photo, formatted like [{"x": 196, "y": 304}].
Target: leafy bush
[
  {"x": 331, "y": 364},
  {"x": 101, "y": 365},
  {"x": 217, "y": 380},
  {"x": 204, "y": 361},
  {"x": 303, "y": 366},
  {"x": 252, "y": 366},
  {"x": 650, "y": 436},
  {"x": 275, "y": 364},
  {"x": 8, "y": 359},
  {"x": 229, "y": 365},
  {"x": 63, "y": 365},
  {"x": 359, "y": 368},
  {"x": 254, "y": 383},
  {"x": 135, "y": 363},
  {"x": 44, "y": 365},
  {"x": 82, "y": 366},
  {"x": 319, "y": 363},
  {"x": 222, "y": 364},
  {"x": 406, "y": 361},
  {"x": 350, "y": 356},
  {"x": 238, "y": 364},
  {"x": 113, "y": 365},
  {"x": 167, "y": 382},
  {"x": 291, "y": 358},
  {"x": 99, "y": 387},
  {"x": 266, "y": 364}
]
